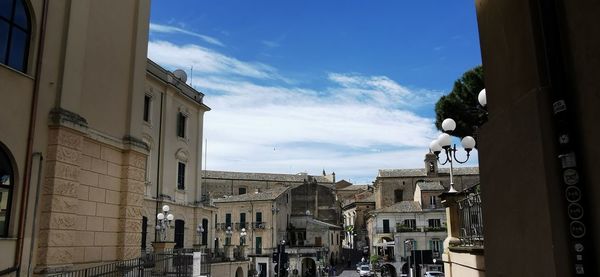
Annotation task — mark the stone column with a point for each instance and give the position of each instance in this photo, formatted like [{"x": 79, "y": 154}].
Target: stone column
[
  {"x": 229, "y": 251},
  {"x": 131, "y": 204}
]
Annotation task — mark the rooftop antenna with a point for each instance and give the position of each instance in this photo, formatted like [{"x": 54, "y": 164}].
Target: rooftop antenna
[{"x": 192, "y": 76}]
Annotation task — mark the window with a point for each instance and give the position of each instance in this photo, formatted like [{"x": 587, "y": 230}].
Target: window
[
  {"x": 433, "y": 201},
  {"x": 409, "y": 246},
  {"x": 181, "y": 120},
  {"x": 14, "y": 34},
  {"x": 258, "y": 245},
  {"x": 216, "y": 222},
  {"x": 435, "y": 245},
  {"x": 398, "y": 195},
  {"x": 179, "y": 233},
  {"x": 180, "y": 175},
  {"x": 318, "y": 241},
  {"x": 258, "y": 217},
  {"x": 242, "y": 220},
  {"x": 6, "y": 189},
  {"x": 241, "y": 191},
  {"x": 147, "y": 100},
  {"x": 410, "y": 223},
  {"x": 435, "y": 223},
  {"x": 227, "y": 220}
]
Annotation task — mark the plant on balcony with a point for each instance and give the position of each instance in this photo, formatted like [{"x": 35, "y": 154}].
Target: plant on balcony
[
  {"x": 436, "y": 229},
  {"x": 404, "y": 228}
]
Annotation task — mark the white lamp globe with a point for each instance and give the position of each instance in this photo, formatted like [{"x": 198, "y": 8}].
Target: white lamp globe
[
  {"x": 160, "y": 216},
  {"x": 243, "y": 230},
  {"x": 482, "y": 98},
  {"x": 448, "y": 125},
  {"x": 170, "y": 217},
  {"x": 434, "y": 146},
  {"x": 468, "y": 142},
  {"x": 444, "y": 140},
  {"x": 165, "y": 208}
]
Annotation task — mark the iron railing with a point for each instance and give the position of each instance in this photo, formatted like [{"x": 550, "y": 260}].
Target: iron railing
[
  {"x": 177, "y": 262},
  {"x": 259, "y": 225},
  {"x": 383, "y": 230},
  {"x": 470, "y": 220}
]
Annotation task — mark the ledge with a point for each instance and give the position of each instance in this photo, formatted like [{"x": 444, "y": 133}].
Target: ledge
[{"x": 475, "y": 250}]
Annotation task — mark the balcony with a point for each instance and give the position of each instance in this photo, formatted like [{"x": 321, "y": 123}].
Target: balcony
[
  {"x": 384, "y": 230},
  {"x": 259, "y": 225},
  {"x": 239, "y": 225},
  {"x": 470, "y": 220},
  {"x": 435, "y": 229}
]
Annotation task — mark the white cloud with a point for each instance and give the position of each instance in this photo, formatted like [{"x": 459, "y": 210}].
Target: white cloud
[
  {"x": 356, "y": 125},
  {"x": 158, "y": 28},
  {"x": 205, "y": 60}
]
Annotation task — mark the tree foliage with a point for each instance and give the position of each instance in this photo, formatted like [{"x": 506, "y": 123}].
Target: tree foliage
[{"x": 461, "y": 104}]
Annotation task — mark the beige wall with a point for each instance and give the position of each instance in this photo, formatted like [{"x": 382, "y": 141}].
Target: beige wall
[
  {"x": 463, "y": 265},
  {"x": 230, "y": 269}
]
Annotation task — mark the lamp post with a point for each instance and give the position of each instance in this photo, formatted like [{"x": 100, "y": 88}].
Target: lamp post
[
  {"x": 164, "y": 222},
  {"x": 243, "y": 236},
  {"x": 444, "y": 142},
  {"x": 228, "y": 234}
]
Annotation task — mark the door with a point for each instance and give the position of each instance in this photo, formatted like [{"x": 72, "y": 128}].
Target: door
[
  {"x": 258, "y": 248},
  {"x": 386, "y": 226},
  {"x": 205, "y": 233},
  {"x": 179, "y": 232},
  {"x": 144, "y": 232}
]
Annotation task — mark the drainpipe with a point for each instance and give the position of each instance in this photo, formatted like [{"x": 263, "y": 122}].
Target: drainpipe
[
  {"x": 35, "y": 208},
  {"x": 30, "y": 136}
]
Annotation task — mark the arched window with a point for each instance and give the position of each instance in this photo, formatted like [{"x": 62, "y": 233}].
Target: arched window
[
  {"x": 15, "y": 30},
  {"x": 6, "y": 189}
]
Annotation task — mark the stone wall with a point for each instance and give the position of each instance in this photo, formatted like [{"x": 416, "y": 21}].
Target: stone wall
[{"x": 91, "y": 201}]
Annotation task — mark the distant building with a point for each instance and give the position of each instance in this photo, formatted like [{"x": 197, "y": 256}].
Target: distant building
[
  {"x": 264, "y": 216},
  {"x": 354, "y": 212}
]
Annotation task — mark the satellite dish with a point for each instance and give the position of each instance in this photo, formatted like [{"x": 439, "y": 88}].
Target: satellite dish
[{"x": 181, "y": 75}]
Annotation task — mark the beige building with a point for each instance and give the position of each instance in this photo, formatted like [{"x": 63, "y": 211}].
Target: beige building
[
  {"x": 95, "y": 137},
  {"x": 413, "y": 228},
  {"x": 354, "y": 213},
  {"x": 73, "y": 159},
  {"x": 396, "y": 185},
  {"x": 172, "y": 123},
  {"x": 264, "y": 216}
]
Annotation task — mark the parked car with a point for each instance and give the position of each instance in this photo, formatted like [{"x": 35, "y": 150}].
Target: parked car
[
  {"x": 434, "y": 274},
  {"x": 365, "y": 271}
]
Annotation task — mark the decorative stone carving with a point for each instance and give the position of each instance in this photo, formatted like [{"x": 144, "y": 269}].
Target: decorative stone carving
[{"x": 182, "y": 155}]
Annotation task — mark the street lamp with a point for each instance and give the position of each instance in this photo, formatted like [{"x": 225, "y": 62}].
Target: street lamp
[
  {"x": 164, "y": 222},
  {"x": 243, "y": 236},
  {"x": 200, "y": 231},
  {"x": 444, "y": 142},
  {"x": 228, "y": 234}
]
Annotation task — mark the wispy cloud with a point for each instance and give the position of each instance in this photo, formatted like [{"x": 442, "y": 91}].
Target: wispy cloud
[
  {"x": 270, "y": 43},
  {"x": 205, "y": 60},
  {"x": 158, "y": 28},
  {"x": 354, "y": 126}
]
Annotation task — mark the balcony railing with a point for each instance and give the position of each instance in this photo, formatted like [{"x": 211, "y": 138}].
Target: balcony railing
[
  {"x": 384, "y": 230},
  {"x": 259, "y": 225},
  {"x": 240, "y": 225},
  {"x": 435, "y": 229},
  {"x": 407, "y": 229},
  {"x": 470, "y": 220}
]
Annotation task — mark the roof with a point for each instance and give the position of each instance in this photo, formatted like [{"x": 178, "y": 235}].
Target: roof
[
  {"x": 270, "y": 194},
  {"x": 169, "y": 78},
  {"x": 329, "y": 225},
  {"x": 355, "y": 187},
  {"x": 275, "y": 177},
  {"x": 401, "y": 207},
  {"x": 420, "y": 172},
  {"x": 369, "y": 199},
  {"x": 430, "y": 185}
]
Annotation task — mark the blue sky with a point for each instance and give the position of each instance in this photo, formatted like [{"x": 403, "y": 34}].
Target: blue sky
[{"x": 302, "y": 86}]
